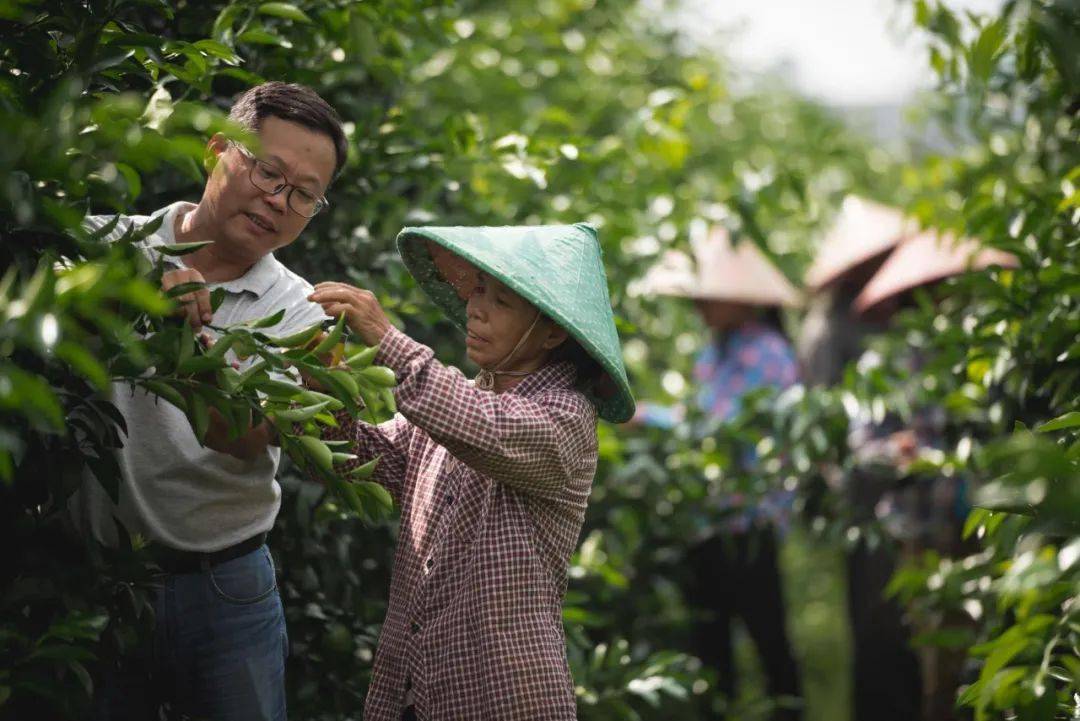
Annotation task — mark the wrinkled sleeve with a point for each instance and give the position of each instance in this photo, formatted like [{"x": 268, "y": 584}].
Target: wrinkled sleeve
[
  {"x": 533, "y": 444},
  {"x": 388, "y": 441}
]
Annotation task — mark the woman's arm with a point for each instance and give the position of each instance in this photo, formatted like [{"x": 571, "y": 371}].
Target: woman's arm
[
  {"x": 389, "y": 442},
  {"x": 533, "y": 444}
]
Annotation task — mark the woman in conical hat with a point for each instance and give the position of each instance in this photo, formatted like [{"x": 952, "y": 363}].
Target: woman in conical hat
[
  {"x": 737, "y": 291},
  {"x": 491, "y": 476},
  {"x": 830, "y": 336}
]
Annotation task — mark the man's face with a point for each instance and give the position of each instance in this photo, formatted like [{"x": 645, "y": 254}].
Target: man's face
[
  {"x": 252, "y": 222},
  {"x": 497, "y": 319}
]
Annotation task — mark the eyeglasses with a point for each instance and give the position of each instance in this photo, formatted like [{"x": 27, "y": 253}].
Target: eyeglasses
[{"x": 269, "y": 179}]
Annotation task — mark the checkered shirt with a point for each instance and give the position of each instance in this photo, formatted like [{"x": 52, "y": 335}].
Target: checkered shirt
[{"x": 492, "y": 490}]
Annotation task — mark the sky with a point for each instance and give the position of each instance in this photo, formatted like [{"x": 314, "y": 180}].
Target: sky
[{"x": 843, "y": 52}]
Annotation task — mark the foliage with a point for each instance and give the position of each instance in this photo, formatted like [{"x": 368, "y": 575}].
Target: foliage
[
  {"x": 79, "y": 314},
  {"x": 1006, "y": 357},
  {"x": 518, "y": 112}
]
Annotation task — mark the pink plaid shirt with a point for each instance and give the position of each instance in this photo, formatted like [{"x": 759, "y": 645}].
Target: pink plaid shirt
[{"x": 492, "y": 490}]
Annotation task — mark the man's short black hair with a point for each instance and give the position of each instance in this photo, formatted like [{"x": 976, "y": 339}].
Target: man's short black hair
[{"x": 295, "y": 103}]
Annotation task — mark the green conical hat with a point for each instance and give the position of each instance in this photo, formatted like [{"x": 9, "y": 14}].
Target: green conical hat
[{"x": 557, "y": 268}]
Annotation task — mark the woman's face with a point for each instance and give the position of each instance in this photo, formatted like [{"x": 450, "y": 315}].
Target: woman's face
[
  {"x": 721, "y": 316},
  {"x": 497, "y": 319}
]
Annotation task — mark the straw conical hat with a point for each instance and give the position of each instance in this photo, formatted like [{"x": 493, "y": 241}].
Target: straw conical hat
[
  {"x": 863, "y": 230},
  {"x": 926, "y": 258},
  {"x": 722, "y": 272},
  {"x": 557, "y": 268}
]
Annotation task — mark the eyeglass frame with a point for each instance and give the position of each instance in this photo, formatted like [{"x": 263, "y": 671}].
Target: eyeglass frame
[{"x": 321, "y": 202}]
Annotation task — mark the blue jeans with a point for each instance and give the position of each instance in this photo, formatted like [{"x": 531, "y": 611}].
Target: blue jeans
[{"x": 218, "y": 650}]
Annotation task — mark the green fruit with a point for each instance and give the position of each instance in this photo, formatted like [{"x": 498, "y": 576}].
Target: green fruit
[
  {"x": 296, "y": 415},
  {"x": 331, "y": 340},
  {"x": 347, "y": 382},
  {"x": 338, "y": 639},
  {"x": 380, "y": 376},
  {"x": 387, "y": 397},
  {"x": 319, "y": 453},
  {"x": 332, "y": 404},
  {"x": 283, "y": 389},
  {"x": 370, "y": 402},
  {"x": 363, "y": 359},
  {"x": 297, "y": 339}
]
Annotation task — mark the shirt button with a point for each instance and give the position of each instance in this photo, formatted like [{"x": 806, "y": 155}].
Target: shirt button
[
  {"x": 430, "y": 562},
  {"x": 449, "y": 499},
  {"x": 414, "y": 627}
]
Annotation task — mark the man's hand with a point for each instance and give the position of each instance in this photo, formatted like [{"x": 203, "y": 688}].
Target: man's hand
[
  {"x": 246, "y": 447},
  {"x": 361, "y": 308},
  {"x": 196, "y": 305}
]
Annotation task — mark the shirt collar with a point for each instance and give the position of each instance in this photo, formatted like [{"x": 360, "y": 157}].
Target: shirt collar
[
  {"x": 554, "y": 375},
  {"x": 258, "y": 279}
]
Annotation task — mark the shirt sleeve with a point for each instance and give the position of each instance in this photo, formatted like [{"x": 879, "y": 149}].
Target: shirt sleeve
[
  {"x": 533, "y": 444},
  {"x": 389, "y": 442}
]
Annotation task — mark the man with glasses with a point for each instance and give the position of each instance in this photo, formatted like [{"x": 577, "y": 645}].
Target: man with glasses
[{"x": 220, "y": 641}]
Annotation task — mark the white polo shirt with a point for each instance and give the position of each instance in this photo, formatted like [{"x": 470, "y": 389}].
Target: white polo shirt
[{"x": 174, "y": 490}]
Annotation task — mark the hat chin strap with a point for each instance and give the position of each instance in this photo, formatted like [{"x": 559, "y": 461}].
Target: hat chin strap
[{"x": 485, "y": 379}]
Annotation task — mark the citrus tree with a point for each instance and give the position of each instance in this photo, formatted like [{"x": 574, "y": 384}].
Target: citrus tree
[{"x": 475, "y": 113}]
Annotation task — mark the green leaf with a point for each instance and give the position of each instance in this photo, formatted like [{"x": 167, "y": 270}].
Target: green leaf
[
  {"x": 284, "y": 10},
  {"x": 84, "y": 363},
  {"x": 183, "y": 288},
  {"x": 217, "y": 295},
  {"x": 166, "y": 391},
  {"x": 218, "y": 50},
  {"x": 266, "y": 322},
  {"x": 107, "y": 472},
  {"x": 258, "y": 36},
  {"x": 985, "y": 50},
  {"x": 1069, "y": 420},
  {"x": 199, "y": 364},
  {"x": 365, "y": 471},
  {"x": 199, "y": 414},
  {"x": 31, "y": 396},
  {"x": 178, "y": 249},
  {"x": 377, "y": 494},
  {"x": 132, "y": 178},
  {"x": 229, "y": 378}
]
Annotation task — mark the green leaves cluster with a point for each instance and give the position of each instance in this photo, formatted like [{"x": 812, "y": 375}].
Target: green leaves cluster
[{"x": 518, "y": 112}]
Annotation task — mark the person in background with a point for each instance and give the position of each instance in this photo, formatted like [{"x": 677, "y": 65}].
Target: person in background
[
  {"x": 887, "y": 681},
  {"x": 738, "y": 293},
  {"x": 220, "y": 642},
  {"x": 921, "y": 512}
]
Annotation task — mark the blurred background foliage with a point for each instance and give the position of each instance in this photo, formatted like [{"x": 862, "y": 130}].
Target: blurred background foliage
[{"x": 550, "y": 111}]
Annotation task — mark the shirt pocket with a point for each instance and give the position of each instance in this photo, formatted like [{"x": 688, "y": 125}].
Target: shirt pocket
[{"x": 466, "y": 500}]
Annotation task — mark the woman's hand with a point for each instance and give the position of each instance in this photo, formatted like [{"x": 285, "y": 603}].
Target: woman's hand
[{"x": 361, "y": 308}]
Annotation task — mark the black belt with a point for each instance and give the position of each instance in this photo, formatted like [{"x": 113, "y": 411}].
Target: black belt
[{"x": 172, "y": 560}]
